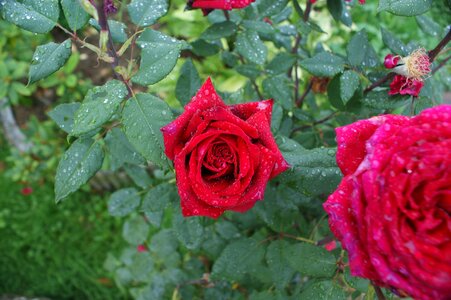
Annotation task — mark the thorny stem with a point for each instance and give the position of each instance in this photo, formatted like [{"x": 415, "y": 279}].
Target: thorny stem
[
  {"x": 432, "y": 55},
  {"x": 441, "y": 64},
  {"x": 378, "y": 291},
  {"x": 294, "y": 50},
  {"x": 103, "y": 23},
  {"x": 300, "y": 101},
  {"x": 315, "y": 123}
]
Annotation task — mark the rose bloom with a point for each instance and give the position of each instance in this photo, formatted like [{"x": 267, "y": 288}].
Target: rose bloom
[
  {"x": 223, "y": 155},
  {"x": 391, "y": 211},
  {"x": 208, "y": 5}
]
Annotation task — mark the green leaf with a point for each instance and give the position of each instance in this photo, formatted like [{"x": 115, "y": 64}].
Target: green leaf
[
  {"x": 278, "y": 88},
  {"x": 281, "y": 271},
  {"x": 143, "y": 116},
  {"x": 381, "y": 100},
  {"x": 324, "y": 290},
  {"x": 79, "y": 163},
  {"x": 393, "y": 43},
  {"x": 428, "y": 26},
  {"x": 35, "y": 16},
  {"x": 335, "y": 8},
  {"x": 49, "y": 58},
  {"x": 204, "y": 48},
  {"x": 98, "y": 106},
  {"x": 120, "y": 149},
  {"x": 63, "y": 115},
  {"x": 311, "y": 260},
  {"x": 323, "y": 64},
  {"x": 406, "y": 8},
  {"x": 219, "y": 30},
  {"x": 158, "y": 58},
  {"x": 250, "y": 46},
  {"x": 281, "y": 63},
  {"x": 258, "y": 26},
  {"x": 139, "y": 175},
  {"x": 239, "y": 257},
  {"x": 117, "y": 30},
  {"x": 142, "y": 266},
  {"x": 268, "y": 8},
  {"x": 349, "y": 83},
  {"x": 123, "y": 202},
  {"x": 251, "y": 70},
  {"x": 357, "y": 48},
  {"x": 188, "y": 83},
  {"x": 188, "y": 231},
  {"x": 135, "y": 230},
  {"x": 158, "y": 198},
  {"x": 147, "y": 12},
  {"x": 314, "y": 172},
  {"x": 75, "y": 14}
]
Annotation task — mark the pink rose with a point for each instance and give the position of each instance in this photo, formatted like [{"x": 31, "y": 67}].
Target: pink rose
[{"x": 391, "y": 211}]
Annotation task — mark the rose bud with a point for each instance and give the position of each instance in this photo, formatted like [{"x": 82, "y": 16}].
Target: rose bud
[
  {"x": 391, "y": 211},
  {"x": 223, "y": 155}
]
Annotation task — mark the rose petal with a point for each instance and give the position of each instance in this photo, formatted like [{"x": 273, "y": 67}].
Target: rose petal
[{"x": 205, "y": 98}]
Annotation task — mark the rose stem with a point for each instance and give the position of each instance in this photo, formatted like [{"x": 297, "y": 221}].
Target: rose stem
[
  {"x": 103, "y": 23},
  {"x": 378, "y": 291}
]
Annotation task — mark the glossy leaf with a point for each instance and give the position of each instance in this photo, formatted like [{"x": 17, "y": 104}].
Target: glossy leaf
[
  {"x": 143, "y": 116},
  {"x": 49, "y": 58},
  {"x": 78, "y": 164}
]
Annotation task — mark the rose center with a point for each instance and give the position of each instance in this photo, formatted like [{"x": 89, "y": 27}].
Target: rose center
[{"x": 219, "y": 160}]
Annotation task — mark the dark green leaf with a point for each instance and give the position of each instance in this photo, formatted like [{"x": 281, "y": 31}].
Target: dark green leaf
[
  {"x": 250, "y": 46},
  {"x": 98, "y": 106},
  {"x": 268, "y": 8},
  {"x": 281, "y": 271},
  {"x": 323, "y": 290},
  {"x": 135, "y": 230},
  {"x": 188, "y": 83},
  {"x": 121, "y": 150},
  {"x": 49, "y": 58},
  {"x": 139, "y": 175},
  {"x": 281, "y": 63},
  {"x": 251, "y": 71},
  {"x": 259, "y": 26},
  {"x": 349, "y": 83},
  {"x": 188, "y": 231},
  {"x": 63, "y": 115},
  {"x": 123, "y": 202},
  {"x": 158, "y": 198},
  {"x": 311, "y": 260},
  {"x": 79, "y": 163},
  {"x": 428, "y": 26},
  {"x": 239, "y": 257},
  {"x": 158, "y": 58},
  {"x": 278, "y": 88},
  {"x": 405, "y": 7},
  {"x": 219, "y": 30},
  {"x": 357, "y": 48},
  {"x": 75, "y": 14},
  {"x": 35, "y": 16},
  {"x": 381, "y": 100},
  {"x": 393, "y": 43},
  {"x": 335, "y": 8},
  {"x": 147, "y": 12},
  {"x": 143, "y": 116},
  {"x": 323, "y": 64}
]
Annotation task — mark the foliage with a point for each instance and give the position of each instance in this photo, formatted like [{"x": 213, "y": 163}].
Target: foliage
[
  {"x": 271, "y": 49},
  {"x": 54, "y": 251}
]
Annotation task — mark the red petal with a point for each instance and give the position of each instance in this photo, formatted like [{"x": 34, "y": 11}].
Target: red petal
[
  {"x": 205, "y": 98},
  {"x": 260, "y": 121},
  {"x": 246, "y": 110}
]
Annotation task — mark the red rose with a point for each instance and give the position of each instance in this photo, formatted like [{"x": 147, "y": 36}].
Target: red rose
[
  {"x": 405, "y": 86},
  {"x": 223, "y": 155},
  {"x": 391, "y": 211},
  {"x": 209, "y": 5}
]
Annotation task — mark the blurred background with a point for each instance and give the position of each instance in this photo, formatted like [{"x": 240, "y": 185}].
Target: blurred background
[{"x": 69, "y": 250}]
